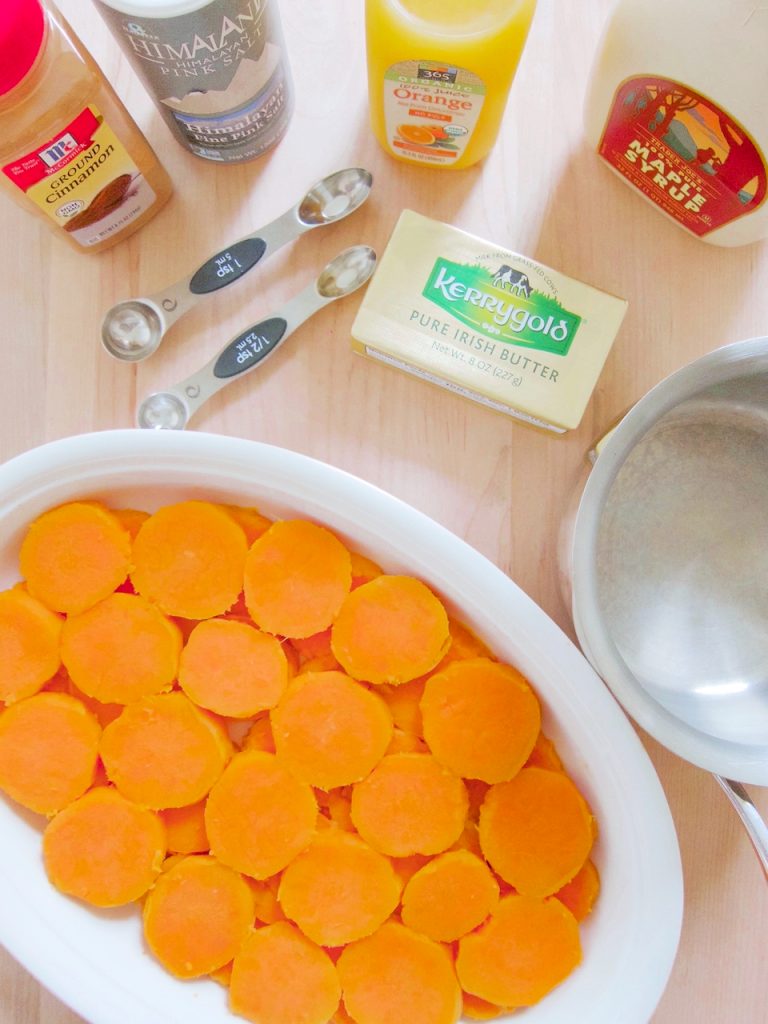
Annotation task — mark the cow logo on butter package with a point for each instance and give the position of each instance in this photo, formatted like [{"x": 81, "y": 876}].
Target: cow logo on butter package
[{"x": 501, "y": 302}]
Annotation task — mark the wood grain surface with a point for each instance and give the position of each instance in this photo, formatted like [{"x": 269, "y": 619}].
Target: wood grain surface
[{"x": 501, "y": 486}]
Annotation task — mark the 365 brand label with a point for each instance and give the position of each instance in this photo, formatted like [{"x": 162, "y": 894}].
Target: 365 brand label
[{"x": 431, "y": 110}]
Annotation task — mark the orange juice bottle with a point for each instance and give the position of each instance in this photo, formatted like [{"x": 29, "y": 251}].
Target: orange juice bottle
[{"x": 439, "y": 72}]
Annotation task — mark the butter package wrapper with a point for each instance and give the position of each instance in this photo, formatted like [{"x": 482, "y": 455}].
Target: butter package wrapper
[{"x": 487, "y": 323}]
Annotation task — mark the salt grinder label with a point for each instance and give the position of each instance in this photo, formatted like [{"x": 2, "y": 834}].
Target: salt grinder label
[
  {"x": 218, "y": 74},
  {"x": 683, "y": 153}
]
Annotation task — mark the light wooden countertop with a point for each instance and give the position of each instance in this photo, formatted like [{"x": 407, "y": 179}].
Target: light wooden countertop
[{"x": 499, "y": 485}]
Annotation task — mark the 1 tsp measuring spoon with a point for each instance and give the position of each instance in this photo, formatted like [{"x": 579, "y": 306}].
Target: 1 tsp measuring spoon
[
  {"x": 173, "y": 409},
  {"x": 132, "y": 330}
]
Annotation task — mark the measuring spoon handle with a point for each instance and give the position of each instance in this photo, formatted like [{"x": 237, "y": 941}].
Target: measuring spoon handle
[
  {"x": 228, "y": 265},
  {"x": 247, "y": 350}
]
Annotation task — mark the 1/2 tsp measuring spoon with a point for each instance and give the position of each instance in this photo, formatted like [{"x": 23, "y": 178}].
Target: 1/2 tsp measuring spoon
[
  {"x": 132, "y": 330},
  {"x": 173, "y": 409}
]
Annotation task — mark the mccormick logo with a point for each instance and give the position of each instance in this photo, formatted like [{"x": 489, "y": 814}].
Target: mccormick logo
[
  {"x": 57, "y": 150},
  {"x": 502, "y": 304}
]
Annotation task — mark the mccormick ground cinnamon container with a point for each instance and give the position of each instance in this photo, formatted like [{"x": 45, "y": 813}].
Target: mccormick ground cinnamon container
[
  {"x": 69, "y": 150},
  {"x": 217, "y": 71}
]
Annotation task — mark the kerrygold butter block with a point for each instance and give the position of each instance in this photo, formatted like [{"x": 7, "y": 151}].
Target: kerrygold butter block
[{"x": 487, "y": 323}]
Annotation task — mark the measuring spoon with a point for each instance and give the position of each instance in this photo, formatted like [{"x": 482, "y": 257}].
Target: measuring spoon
[
  {"x": 132, "y": 330},
  {"x": 173, "y": 409}
]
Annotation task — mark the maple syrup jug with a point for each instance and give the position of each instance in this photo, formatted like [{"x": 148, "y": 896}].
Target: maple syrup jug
[{"x": 676, "y": 107}]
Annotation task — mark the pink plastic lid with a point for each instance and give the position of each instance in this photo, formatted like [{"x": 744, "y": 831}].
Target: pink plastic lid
[{"x": 22, "y": 28}]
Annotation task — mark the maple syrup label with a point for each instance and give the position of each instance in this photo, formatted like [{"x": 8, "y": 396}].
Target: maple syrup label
[
  {"x": 83, "y": 179},
  {"x": 431, "y": 110},
  {"x": 683, "y": 153}
]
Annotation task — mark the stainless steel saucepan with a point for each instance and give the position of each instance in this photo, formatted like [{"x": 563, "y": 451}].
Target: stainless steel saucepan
[{"x": 669, "y": 568}]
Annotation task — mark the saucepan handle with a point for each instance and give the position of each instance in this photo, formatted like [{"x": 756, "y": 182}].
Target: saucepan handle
[{"x": 756, "y": 828}]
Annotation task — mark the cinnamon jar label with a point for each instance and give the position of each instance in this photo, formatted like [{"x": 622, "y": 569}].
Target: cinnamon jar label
[
  {"x": 84, "y": 180},
  {"x": 683, "y": 153}
]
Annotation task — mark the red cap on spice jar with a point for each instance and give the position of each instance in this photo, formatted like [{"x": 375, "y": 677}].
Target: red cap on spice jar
[{"x": 22, "y": 28}]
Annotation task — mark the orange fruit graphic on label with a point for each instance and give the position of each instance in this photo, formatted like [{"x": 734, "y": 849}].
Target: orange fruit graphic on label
[{"x": 416, "y": 133}]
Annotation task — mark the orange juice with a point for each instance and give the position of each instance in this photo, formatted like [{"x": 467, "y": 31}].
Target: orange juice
[{"x": 439, "y": 72}]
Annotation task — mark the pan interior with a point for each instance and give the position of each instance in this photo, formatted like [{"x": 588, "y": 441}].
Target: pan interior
[{"x": 682, "y": 561}]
